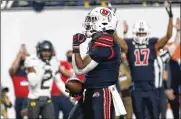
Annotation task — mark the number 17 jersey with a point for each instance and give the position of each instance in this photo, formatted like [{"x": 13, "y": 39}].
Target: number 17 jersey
[{"x": 141, "y": 60}]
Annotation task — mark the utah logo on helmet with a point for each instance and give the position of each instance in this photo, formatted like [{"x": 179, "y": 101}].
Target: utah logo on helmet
[
  {"x": 100, "y": 19},
  {"x": 104, "y": 12}
]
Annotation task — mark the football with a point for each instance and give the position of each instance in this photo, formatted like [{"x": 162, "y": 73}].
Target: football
[{"x": 74, "y": 86}]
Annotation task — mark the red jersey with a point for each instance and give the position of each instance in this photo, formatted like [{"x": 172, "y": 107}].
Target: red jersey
[
  {"x": 68, "y": 66},
  {"x": 20, "y": 82}
]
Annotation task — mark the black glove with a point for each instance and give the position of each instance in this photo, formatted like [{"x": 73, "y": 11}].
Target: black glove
[
  {"x": 169, "y": 9},
  {"x": 77, "y": 40}
]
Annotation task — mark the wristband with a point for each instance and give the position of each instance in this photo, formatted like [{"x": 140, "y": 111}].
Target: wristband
[{"x": 76, "y": 49}]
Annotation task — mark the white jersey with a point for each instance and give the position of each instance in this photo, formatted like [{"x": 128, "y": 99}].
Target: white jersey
[{"x": 46, "y": 73}]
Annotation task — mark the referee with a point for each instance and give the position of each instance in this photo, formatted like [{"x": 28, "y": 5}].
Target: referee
[
  {"x": 163, "y": 58},
  {"x": 160, "y": 81}
]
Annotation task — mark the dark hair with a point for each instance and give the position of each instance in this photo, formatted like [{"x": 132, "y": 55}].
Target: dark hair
[
  {"x": 68, "y": 52},
  {"x": 5, "y": 90}
]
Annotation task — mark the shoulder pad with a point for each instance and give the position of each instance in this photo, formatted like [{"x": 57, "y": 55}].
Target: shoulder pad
[
  {"x": 153, "y": 40},
  {"x": 31, "y": 61},
  {"x": 104, "y": 41}
]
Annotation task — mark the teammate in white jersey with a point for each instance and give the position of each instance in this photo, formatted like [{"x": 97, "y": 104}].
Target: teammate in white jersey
[{"x": 42, "y": 70}]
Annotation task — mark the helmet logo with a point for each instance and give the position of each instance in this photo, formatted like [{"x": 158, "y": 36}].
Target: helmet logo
[
  {"x": 47, "y": 47},
  {"x": 141, "y": 29},
  {"x": 104, "y": 12}
]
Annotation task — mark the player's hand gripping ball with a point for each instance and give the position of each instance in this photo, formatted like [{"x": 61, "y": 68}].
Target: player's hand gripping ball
[{"x": 74, "y": 87}]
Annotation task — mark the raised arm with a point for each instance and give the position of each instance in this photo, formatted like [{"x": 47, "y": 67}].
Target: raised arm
[
  {"x": 176, "y": 42},
  {"x": 121, "y": 42},
  {"x": 125, "y": 29},
  {"x": 21, "y": 55},
  {"x": 15, "y": 64},
  {"x": 162, "y": 41}
]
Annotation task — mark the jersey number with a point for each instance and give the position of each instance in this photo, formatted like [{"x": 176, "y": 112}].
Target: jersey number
[
  {"x": 138, "y": 53},
  {"x": 49, "y": 73}
]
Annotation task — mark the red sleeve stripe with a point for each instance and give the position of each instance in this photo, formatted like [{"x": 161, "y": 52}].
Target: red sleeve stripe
[
  {"x": 105, "y": 39},
  {"x": 109, "y": 38},
  {"x": 105, "y": 42},
  {"x": 100, "y": 44},
  {"x": 112, "y": 53}
]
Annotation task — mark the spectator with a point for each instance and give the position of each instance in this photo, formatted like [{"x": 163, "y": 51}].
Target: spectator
[
  {"x": 175, "y": 75},
  {"x": 62, "y": 103},
  {"x": 125, "y": 83},
  {"x": 20, "y": 81},
  {"x": 69, "y": 61},
  {"x": 24, "y": 110},
  {"x": 5, "y": 102},
  {"x": 172, "y": 92}
]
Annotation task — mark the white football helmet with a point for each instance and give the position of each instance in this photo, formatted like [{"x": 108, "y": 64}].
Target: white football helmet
[
  {"x": 141, "y": 27},
  {"x": 100, "y": 19}
]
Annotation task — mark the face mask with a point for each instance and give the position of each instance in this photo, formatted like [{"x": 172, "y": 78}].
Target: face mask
[
  {"x": 21, "y": 63},
  {"x": 69, "y": 59}
]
